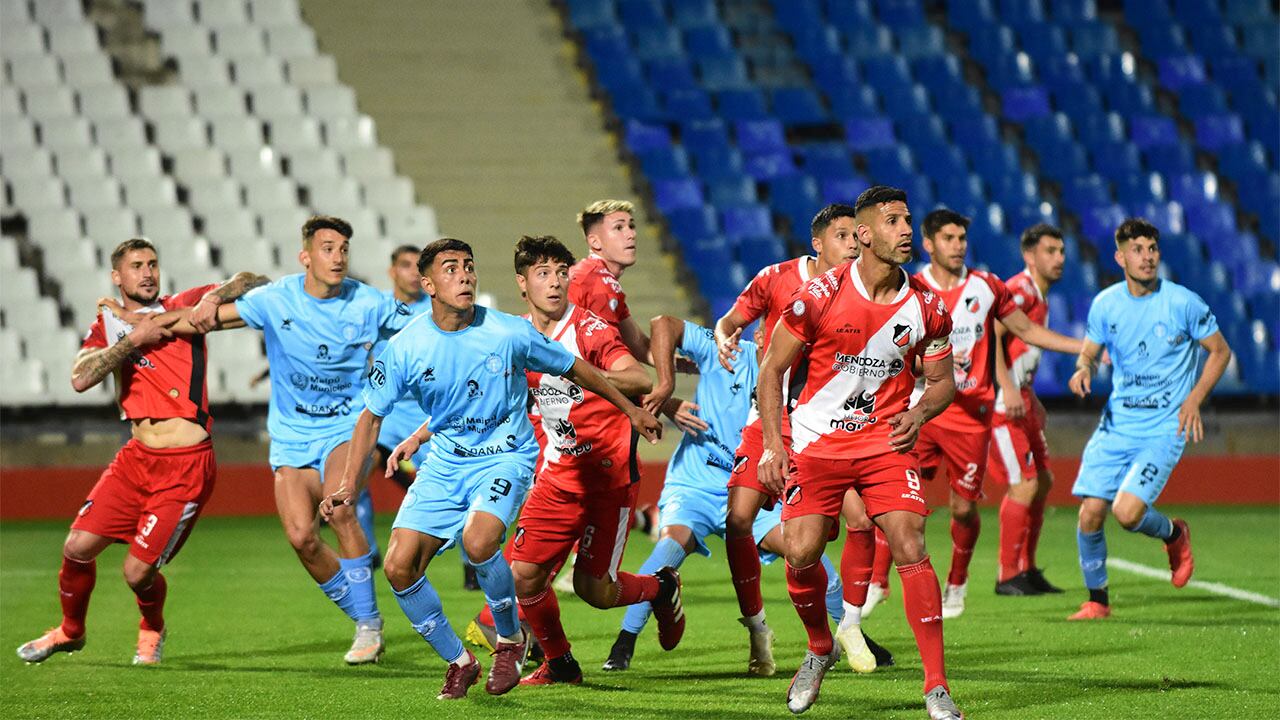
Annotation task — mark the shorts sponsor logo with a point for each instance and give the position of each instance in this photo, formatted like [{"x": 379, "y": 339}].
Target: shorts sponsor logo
[{"x": 792, "y": 495}]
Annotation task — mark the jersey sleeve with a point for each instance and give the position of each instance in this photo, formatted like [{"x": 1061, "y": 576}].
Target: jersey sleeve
[
  {"x": 96, "y": 338},
  {"x": 1004, "y": 303},
  {"x": 603, "y": 295},
  {"x": 699, "y": 344},
  {"x": 1095, "y": 329},
  {"x": 188, "y": 297},
  {"x": 754, "y": 298},
  {"x": 603, "y": 343},
  {"x": 253, "y": 305},
  {"x": 937, "y": 330},
  {"x": 393, "y": 315},
  {"x": 386, "y": 383},
  {"x": 1020, "y": 290},
  {"x": 542, "y": 355},
  {"x": 1201, "y": 322},
  {"x": 804, "y": 312}
]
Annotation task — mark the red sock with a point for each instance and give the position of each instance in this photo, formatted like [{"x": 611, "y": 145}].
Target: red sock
[
  {"x": 963, "y": 539},
  {"x": 855, "y": 564},
  {"x": 542, "y": 611},
  {"x": 744, "y": 566},
  {"x": 634, "y": 589},
  {"x": 884, "y": 558},
  {"x": 1035, "y": 520},
  {"x": 923, "y": 603},
  {"x": 808, "y": 589},
  {"x": 151, "y": 604},
  {"x": 75, "y": 585},
  {"x": 1014, "y": 519}
]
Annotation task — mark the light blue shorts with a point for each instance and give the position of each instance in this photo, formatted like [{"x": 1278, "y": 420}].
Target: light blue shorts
[
  {"x": 1139, "y": 466},
  {"x": 705, "y": 512},
  {"x": 444, "y": 494},
  {"x": 396, "y": 427},
  {"x": 308, "y": 454}
]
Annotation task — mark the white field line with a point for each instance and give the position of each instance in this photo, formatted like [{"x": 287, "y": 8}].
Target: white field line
[{"x": 1213, "y": 587}]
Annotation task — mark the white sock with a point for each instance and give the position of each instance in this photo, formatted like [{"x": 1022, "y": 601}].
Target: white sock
[
  {"x": 756, "y": 623},
  {"x": 852, "y": 615},
  {"x": 462, "y": 660},
  {"x": 517, "y": 638}
]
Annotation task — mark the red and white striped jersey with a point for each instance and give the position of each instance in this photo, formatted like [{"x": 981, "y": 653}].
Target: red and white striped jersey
[
  {"x": 581, "y": 431},
  {"x": 768, "y": 293},
  {"x": 594, "y": 288},
  {"x": 1024, "y": 359},
  {"x": 976, "y": 303},
  {"x": 861, "y": 356}
]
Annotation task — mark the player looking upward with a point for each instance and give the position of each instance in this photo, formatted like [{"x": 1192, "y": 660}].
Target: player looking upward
[
  {"x": 465, "y": 365},
  {"x": 862, "y": 326},
  {"x": 1019, "y": 455},
  {"x": 960, "y": 435},
  {"x": 151, "y": 494},
  {"x": 1153, "y": 329}
]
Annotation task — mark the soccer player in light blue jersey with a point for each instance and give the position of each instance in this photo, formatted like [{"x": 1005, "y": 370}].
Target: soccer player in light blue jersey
[
  {"x": 465, "y": 366},
  {"x": 1153, "y": 329}
]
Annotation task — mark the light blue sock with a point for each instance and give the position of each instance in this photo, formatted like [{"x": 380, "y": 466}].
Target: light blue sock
[
  {"x": 338, "y": 589},
  {"x": 835, "y": 591},
  {"x": 359, "y": 575},
  {"x": 667, "y": 553},
  {"x": 1154, "y": 524},
  {"x": 1093, "y": 558},
  {"x": 494, "y": 576},
  {"x": 421, "y": 604},
  {"x": 364, "y": 516}
]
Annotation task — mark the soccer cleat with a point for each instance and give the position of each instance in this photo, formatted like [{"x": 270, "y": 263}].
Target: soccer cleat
[
  {"x": 884, "y": 658},
  {"x": 760, "y": 663},
  {"x": 953, "y": 600},
  {"x": 1038, "y": 581},
  {"x": 563, "y": 670},
  {"x": 367, "y": 647},
  {"x": 459, "y": 678},
  {"x": 620, "y": 654},
  {"x": 875, "y": 595},
  {"x": 940, "y": 706},
  {"x": 803, "y": 692},
  {"x": 480, "y": 635},
  {"x": 668, "y": 609},
  {"x": 1019, "y": 584},
  {"x": 853, "y": 645},
  {"x": 1091, "y": 610},
  {"x": 563, "y": 583},
  {"x": 1181, "y": 563},
  {"x": 150, "y": 647},
  {"x": 508, "y": 661},
  {"x": 53, "y": 641}
]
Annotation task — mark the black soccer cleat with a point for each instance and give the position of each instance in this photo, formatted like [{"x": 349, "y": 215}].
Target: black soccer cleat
[
  {"x": 1019, "y": 584},
  {"x": 620, "y": 654},
  {"x": 1036, "y": 577},
  {"x": 884, "y": 658}
]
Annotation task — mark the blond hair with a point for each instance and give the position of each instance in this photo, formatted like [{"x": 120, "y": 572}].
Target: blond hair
[{"x": 596, "y": 211}]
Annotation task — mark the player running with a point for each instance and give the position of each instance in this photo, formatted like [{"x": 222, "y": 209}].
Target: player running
[
  {"x": 465, "y": 365},
  {"x": 151, "y": 494},
  {"x": 960, "y": 436},
  {"x": 861, "y": 326},
  {"x": 1153, "y": 330},
  {"x": 834, "y": 242},
  {"x": 1019, "y": 455}
]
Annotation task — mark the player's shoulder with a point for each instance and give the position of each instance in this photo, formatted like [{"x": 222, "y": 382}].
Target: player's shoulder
[
  {"x": 587, "y": 322},
  {"x": 780, "y": 270},
  {"x": 1180, "y": 293},
  {"x": 1110, "y": 295},
  {"x": 925, "y": 293},
  {"x": 985, "y": 276}
]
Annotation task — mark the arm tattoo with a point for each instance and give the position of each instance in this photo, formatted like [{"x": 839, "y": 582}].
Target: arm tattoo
[
  {"x": 95, "y": 366},
  {"x": 238, "y": 285}
]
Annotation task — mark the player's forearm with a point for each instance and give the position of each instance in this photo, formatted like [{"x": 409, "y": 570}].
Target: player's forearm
[
  {"x": 363, "y": 437},
  {"x": 592, "y": 379},
  {"x": 1043, "y": 337},
  {"x": 726, "y": 326},
  {"x": 664, "y": 335},
  {"x": 936, "y": 397},
  {"x": 671, "y": 407},
  {"x": 1214, "y": 366},
  {"x": 95, "y": 366},
  {"x": 769, "y": 399},
  {"x": 631, "y": 382},
  {"x": 422, "y": 433},
  {"x": 1003, "y": 377},
  {"x": 237, "y": 286}
]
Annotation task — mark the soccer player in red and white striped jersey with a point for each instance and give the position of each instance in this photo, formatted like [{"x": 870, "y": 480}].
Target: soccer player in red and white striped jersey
[{"x": 862, "y": 326}]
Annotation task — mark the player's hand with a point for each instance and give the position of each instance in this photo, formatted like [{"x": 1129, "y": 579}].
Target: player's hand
[
  {"x": 404, "y": 451},
  {"x": 774, "y": 468},
  {"x": 654, "y": 401},
  {"x": 685, "y": 366},
  {"x": 906, "y": 429},
  {"x": 686, "y": 418},
  {"x": 1190, "y": 426},
  {"x": 728, "y": 349},
  {"x": 1080, "y": 381},
  {"x": 204, "y": 314},
  {"x": 148, "y": 332},
  {"x": 114, "y": 307},
  {"x": 341, "y": 496},
  {"x": 647, "y": 425},
  {"x": 1014, "y": 407}
]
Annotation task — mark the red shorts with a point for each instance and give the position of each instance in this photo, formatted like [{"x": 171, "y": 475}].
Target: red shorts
[
  {"x": 889, "y": 481},
  {"x": 553, "y": 520},
  {"x": 150, "y": 498},
  {"x": 963, "y": 450},
  {"x": 1018, "y": 449},
  {"x": 746, "y": 462}
]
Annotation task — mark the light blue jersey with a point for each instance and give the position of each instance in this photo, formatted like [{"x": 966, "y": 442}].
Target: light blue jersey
[
  {"x": 406, "y": 416},
  {"x": 1154, "y": 343},
  {"x": 319, "y": 353}
]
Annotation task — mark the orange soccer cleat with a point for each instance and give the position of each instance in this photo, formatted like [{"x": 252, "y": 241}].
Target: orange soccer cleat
[
  {"x": 53, "y": 641},
  {"x": 150, "y": 647},
  {"x": 1091, "y": 610},
  {"x": 1181, "y": 563}
]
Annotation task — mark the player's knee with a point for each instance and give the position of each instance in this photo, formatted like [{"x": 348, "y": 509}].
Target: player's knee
[
  {"x": 908, "y": 550},
  {"x": 859, "y": 523},
  {"x": 78, "y": 548},
  {"x": 304, "y": 540},
  {"x": 343, "y": 515},
  {"x": 738, "y": 524},
  {"x": 400, "y": 574},
  {"x": 963, "y": 511},
  {"x": 1129, "y": 518},
  {"x": 479, "y": 549},
  {"x": 1090, "y": 519},
  {"x": 802, "y": 554},
  {"x": 594, "y": 591},
  {"x": 139, "y": 576}
]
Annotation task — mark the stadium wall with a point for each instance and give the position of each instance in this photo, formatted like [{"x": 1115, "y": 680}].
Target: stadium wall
[{"x": 246, "y": 489}]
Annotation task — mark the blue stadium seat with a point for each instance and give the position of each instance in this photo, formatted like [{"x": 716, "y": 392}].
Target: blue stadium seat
[
  {"x": 1077, "y": 99},
  {"x": 1215, "y": 132},
  {"x": 636, "y": 104},
  {"x": 955, "y": 100},
  {"x": 1020, "y": 104},
  {"x": 927, "y": 130},
  {"x": 1014, "y": 189},
  {"x": 827, "y": 160},
  {"x": 641, "y": 13},
  {"x": 620, "y": 76},
  {"x": 1179, "y": 71},
  {"x": 890, "y": 164},
  {"x": 843, "y": 190},
  {"x": 1213, "y": 40},
  {"x": 869, "y": 133},
  {"x": 1074, "y": 12},
  {"x": 723, "y": 73},
  {"x": 743, "y": 221},
  {"x": 1212, "y": 220},
  {"x": 669, "y": 163},
  {"x": 691, "y": 104},
  {"x": 1198, "y": 100},
  {"x": 815, "y": 41},
  {"x": 1099, "y": 223},
  {"x": 1134, "y": 188},
  {"x": 693, "y": 224},
  {"x": 1042, "y": 40},
  {"x": 657, "y": 42},
  {"x": 1085, "y": 191},
  {"x": 1244, "y": 159},
  {"x": 1148, "y": 131},
  {"x": 848, "y": 13},
  {"x": 992, "y": 161},
  {"x": 797, "y": 14},
  {"x": 959, "y": 190},
  {"x": 591, "y": 13},
  {"x": 1170, "y": 159},
  {"x": 853, "y": 101},
  {"x": 640, "y": 136},
  {"x": 1193, "y": 189},
  {"x": 794, "y": 193},
  {"x": 1242, "y": 12},
  {"x": 1021, "y": 12},
  {"x": 1160, "y": 40},
  {"x": 887, "y": 74},
  {"x": 979, "y": 130},
  {"x": 868, "y": 41},
  {"x": 988, "y": 42},
  {"x": 1064, "y": 160},
  {"x": 769, "y": 165},
  {"x": 921, "y": 41},
  {"x": 741, "y": 104},
  {"x": 900, "y": 13},
  {"x": 1010, "y": 71},
  {"x": 670, "y": 73},
  {"x": 968, "y": 16},
  {"x": 798, "y": 106},
  {"x": 1101, "y": 128},
  {"x": 1165, "y": 215},
  {"x": 1058, "y": 70},
  {"x": 671, "y": 195},
  {"x": 940, "y": 160},
  {"x": 759, "y": 252},
  {"x": 689, "y": 14},
  {"x": 1047, "y": 130},
  {"x": 736, "y": 190},
  {"x": 1094, "y": 39},
  {"x": 725, "y": 280},
  {"x": 715, "y": 162},
  {"x": 760, "y": 136},
  {"x": 710, "y": 41},
  {"x": 908, "y": 104}
]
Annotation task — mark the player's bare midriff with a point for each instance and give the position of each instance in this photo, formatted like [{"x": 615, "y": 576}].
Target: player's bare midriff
[{"x": 163, "y": 433}]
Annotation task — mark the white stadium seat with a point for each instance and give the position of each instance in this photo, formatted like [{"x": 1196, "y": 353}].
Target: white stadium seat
[
  {"x": 276, "y": 103},
  {"x": 201, "y": 69},
  {"x": 26, "y": 162},
  {"x": 229, "y": 227},
  {"x": 164, "y": 101},
  {"x": 389, "y": 193},
  {"x": 91, "y": 192},
  {"x": 134, "y": 162},
  {"x": 307, "y": 72},
  {"x": 214, "y": 102},
  {"x": 253, "y": 163},
  {"x": 236, "y": 133},
  {"x": 179, "y": 133},
  {"x": 258, "y": 71},
  {"x": 10, "y": 346},
  {"x": 205, "y": 194},
  {"x": 15, "y": 12},
  {"x": 82, "y": 163},
  {"x": 372, "y": 163},
  {"x": 416, "y": 224},
  {"x": 120, "y": 135},
  {"x": 240, "y": 42},
  {"x": 56, "y": 12},
  {"x": 291, "y": 41},
  {"x": 186, "y": 40},
  {"x": 343, "y": 133},
  {"x": 142, "y": 192},
  {"x": 313, "y": 164},
  {"x": 294, "y": 134},
  {"x": 35, "y": 193},
  {"x": 19, "y": 132},
  {"x": 21, "y": 40},
  {"x": 170, "y": 224},
  {"x": 332, "y": 192},
  {"x": 274, "y": 13},
  {"x": 110, "y": 225},
  {"x": 23, "y": 382},
  {"x": 10, "y": 100},
  {"x": 168, "y": 13},
  {"x": 222, "y": 13},
  {"x": 85, "y": 69},
  {"x": 73, "y": 38},
  {"x": 103, "y": 102},
  {"x": 199, "y": 164},
  {"x": 54, "y": 101},
  {"x": 270, "y": 193},
  {"x": 65, "y": 132},
  {"x": 51, "y": 225},
  {"x": 30, "y": 71},
  {"x": 8, "y": 255},
  {"x": 331, "y": 101},
  {"x": 283, "y": 228}
]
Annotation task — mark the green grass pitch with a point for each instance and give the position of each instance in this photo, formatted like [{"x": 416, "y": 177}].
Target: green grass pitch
[{"x": 251, "y": 636}]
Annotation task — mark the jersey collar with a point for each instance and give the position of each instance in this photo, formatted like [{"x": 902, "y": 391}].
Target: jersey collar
[
  {"x": 927, "y": 274},
  {"x": 804, "y": 267},
  {"x": 862, "y": 289},
  {"x": 1035, "y": 285}
]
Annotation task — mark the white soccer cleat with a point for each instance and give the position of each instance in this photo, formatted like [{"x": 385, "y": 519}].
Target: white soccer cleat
[
  {"x": 940, "y": 706},
  {"x": 855, "y": 649},
  {"x": 875, "y": 595},
  {"x": 563, "y": 583},
  {"x": 761, "y": 663},
  {"x": 953, "y": 600},
  {"x": 368, "y": 646}
]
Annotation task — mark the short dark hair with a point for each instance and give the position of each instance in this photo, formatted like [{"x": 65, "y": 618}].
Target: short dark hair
[
  {"x": 530, "y": 250},
  {"x": 877, "y": 194},
  {"x": 129, "y": 246},
  {"x": 1136, "y": 227},
  {"x": 316, "y": 223},
  {"x": 429, "y": 253},
  {"x": 406, "y": 248},
  {"x": 934, "y": 221},
  {"x": 1031, "y": 236},
  {"x": 828, "y": 215}
]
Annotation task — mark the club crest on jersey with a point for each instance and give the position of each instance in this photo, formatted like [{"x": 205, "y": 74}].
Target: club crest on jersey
[
  {"x": 971, "y": 303},
  {"x": 792, "y": 495},
  {"x": 519, "y": 539},
  {"x": 739, "y": 464},
  {"x": 493, "y": 363},
  {"x": 901, "y": 335},
  {"x": 84, "y": 509}
]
